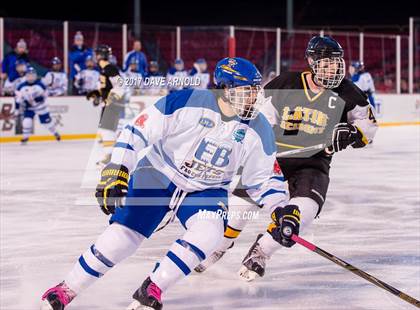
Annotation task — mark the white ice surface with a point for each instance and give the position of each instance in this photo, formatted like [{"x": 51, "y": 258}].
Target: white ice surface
[{"x": 371, "y": 219}]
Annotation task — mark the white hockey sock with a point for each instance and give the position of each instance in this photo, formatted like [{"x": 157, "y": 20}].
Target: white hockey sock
[
  {"x": 113, "y": 245},
  {"x": 27, "y": 124},
  {"x": 237, "y": 220},
  {"x": 51, "y": 127},
  {"x": 308, "y": 210},
  {"x": 203, "y": 236}
]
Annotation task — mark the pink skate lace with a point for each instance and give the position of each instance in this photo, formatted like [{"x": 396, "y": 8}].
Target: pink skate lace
[
  {"x": 154, "y": 291},
  {"x": 63, "y": 292}
]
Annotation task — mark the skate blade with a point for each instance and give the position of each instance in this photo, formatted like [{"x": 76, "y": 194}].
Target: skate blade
[
  {"x": 135, "y": 305},
  {"x": 45, "y": 305},
  {"x": 247, "y": 275}
]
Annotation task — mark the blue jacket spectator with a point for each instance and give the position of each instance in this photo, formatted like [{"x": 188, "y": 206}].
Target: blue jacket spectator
[
  {"x": 78, "y": 54},
  {"x": 9, "y": 62},
  {"x": 139, "y": 56}
]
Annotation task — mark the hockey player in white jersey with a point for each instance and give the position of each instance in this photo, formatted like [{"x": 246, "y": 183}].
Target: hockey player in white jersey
[
  {"x": 56, "y": 80},
  {"x": 30, "y": 100},
  {"x": 363, "y": 80},
  {"x": 198, "y": 140},
  {"x": 176, "y": 76},
  {"x": 10, "y": 86},
  {"x": 87, "y": 79}
]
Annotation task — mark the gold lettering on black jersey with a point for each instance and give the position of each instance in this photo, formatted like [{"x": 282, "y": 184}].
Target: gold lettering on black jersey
[{"x": 311, "y": 121}]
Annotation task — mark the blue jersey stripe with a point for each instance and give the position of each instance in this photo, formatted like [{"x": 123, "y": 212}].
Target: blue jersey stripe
[
  {"x": 137, "y": 133},
  {"x": 124, "y": 146},
  {"x": 269, "y": 192},
  {"x": 179, "y": 262},
  {"x": 191, "y": 98}
]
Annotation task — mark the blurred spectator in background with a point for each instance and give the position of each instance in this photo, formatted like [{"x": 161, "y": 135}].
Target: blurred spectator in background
[
  {"x": 9, "y": 63},
  {"x": 78, "y": 54},
  {"x": 139, "y": 56},
  {"x": 154, "y": 83},
  {"x": 201, "y": 74},
  {"x": 87, "y": 79},
  {"x": 176, "y": 76},
  {"x": 132, "y": 77},
  {"x": 363, "y": 80},
  {"x": 56, "y": 79},
  {"x": 113, "y": 60},
  {"x": 10, "y": 86}
]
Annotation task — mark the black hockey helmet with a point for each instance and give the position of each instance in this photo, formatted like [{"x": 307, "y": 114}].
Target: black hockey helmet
[
  {"x": 103, "y": 51},
  {"x": 325, "y": 58},
  {"x": 323, "y": 47}
]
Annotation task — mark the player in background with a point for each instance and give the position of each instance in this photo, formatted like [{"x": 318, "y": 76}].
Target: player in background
[
  {"x": 139, "y": 56},
  {"x": 56, "y": 80},
  {"x": 198, "y": 140},
  {"x": 78, "y": 54},
  {"x": 314, "y": 114},
  {"x": 132, "y": 77},
  {"x": 176, "y": 75},
  {"x": 30, "y": 100},
  {"x": 10, "y": 86},
  {"x": 363, "y": 80},
  {"x": 111, "y": 94},
  {"x": 87, "y": 80},
  {"x": 154, "y": 83},
  {"x": 201, "y": 74}
]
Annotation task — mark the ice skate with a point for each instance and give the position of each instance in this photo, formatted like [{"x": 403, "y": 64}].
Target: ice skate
[
  {"x": 147, "y": 297},
  {"x": 57, "y": 136},
  {"x": 23, "y": 141},
  {"x": 57, "y": 297},
  {"x": 254, "y": 262}
]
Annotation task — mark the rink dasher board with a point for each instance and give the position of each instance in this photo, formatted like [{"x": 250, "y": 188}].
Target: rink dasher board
[{"x": 77, "y": 118}]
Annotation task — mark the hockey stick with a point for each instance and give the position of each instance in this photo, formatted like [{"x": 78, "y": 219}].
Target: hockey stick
[
  {"x": 356, "y": 271},
  {"x": 301, "y": 150}
]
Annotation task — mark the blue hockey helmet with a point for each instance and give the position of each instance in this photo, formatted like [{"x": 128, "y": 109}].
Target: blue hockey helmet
[
  {"x": 31, "y": 75},
  {"x": 358, "y": 65},
  {"x": 234, "y": 72},
  {"x": 21, "y": 66},
  {"x": 242, "y": 83},
  {"x": 56, "y": 61}
]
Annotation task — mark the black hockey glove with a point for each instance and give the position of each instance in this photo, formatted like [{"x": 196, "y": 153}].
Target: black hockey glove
[
  {"x": 286, "y": 222},
  {"x": 112, "y": 187},
  {"x": 95, "y": 95},
  {"x": 345, "y": 134}
]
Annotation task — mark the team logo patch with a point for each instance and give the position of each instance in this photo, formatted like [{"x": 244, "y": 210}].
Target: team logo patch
[
  {"x": 206, "y": 122},
  {"x": 141, "y": 120},
  {"x": 238, "y": 135}
]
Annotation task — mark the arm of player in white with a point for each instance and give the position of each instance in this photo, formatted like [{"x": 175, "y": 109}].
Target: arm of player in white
[
  {"x": 256, "y": 177},
  {"x": 144, "y": 130},
  {"x": 363, "y": 118}
]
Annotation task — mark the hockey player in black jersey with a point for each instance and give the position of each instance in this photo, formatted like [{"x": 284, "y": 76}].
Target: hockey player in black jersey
[
  {"x": 111, "y": 93},
  {"x": 314, "y": 114}
]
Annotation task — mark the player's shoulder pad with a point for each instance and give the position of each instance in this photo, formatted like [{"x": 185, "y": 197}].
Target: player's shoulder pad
[
  {"x": 187, "y": 98},
  {"x": 40, "y": 84},
  {"x": 111, "y": 70},
  {"x": 284, "y": 80},
  {"x": 351, "y": 94},
  {"x": 265, "y": 132},
  {"x": 22, "y": 85}
]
